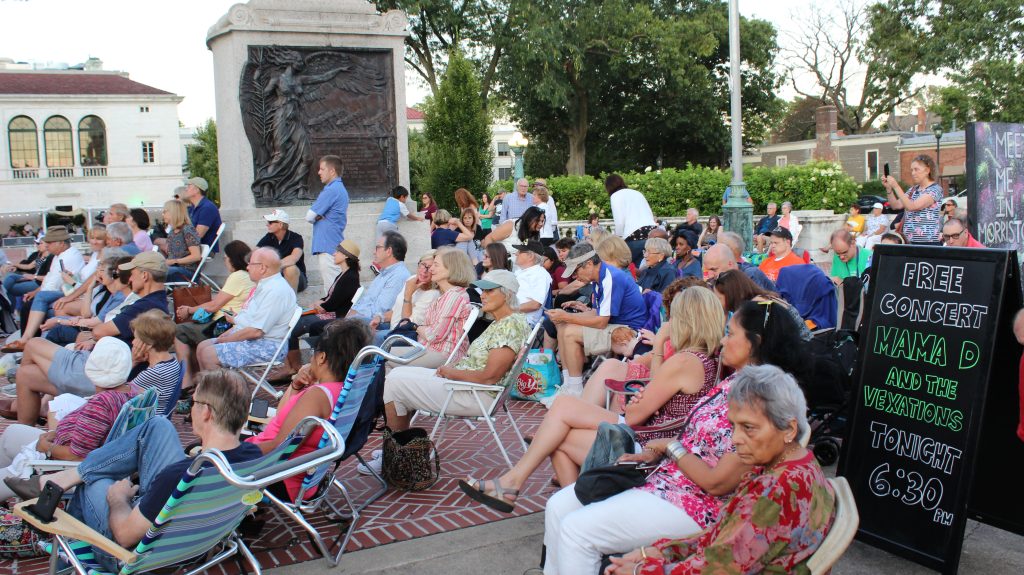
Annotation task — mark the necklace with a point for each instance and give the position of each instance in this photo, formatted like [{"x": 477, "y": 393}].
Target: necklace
[{"x": 786, "y": 452}]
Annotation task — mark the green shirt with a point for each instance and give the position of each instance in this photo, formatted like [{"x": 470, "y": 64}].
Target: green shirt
[
  {"x": 510, "y": 332},
  {"x": 853, "y": 268}
]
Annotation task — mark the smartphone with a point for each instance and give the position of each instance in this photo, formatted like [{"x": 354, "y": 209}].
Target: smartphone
[
  {"x": 259, "y": 408},
  {"x": 628, "y": 463},
  {"x": 885, "y": 169},
  {"x": 61, "y": 262}
]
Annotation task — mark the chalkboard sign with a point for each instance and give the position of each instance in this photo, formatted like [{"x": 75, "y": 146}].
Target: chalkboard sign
[
  {"x": 926, "y": 360},
  {"x": 995, "y": 184}
]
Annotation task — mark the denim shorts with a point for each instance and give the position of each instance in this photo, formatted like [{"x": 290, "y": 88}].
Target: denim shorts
[{"x": 67, "y": 372}]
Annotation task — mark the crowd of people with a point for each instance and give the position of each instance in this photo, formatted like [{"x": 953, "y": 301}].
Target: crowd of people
[{"x": 689, "y": 311}]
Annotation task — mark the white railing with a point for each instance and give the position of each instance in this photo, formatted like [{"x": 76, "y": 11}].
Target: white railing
[
  {"x": 25, "y": 173},
  {"x": 94, "y": 171},
  {"x": 62, "y": 172}
]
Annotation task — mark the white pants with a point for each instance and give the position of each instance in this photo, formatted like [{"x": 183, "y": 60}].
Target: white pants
[
  {"x": 413, "y": 388},
  {"x": 328, "y": 270},
  {"x": 12, "y": 440},
  {"x": 868, "y": 242},
  {"x": 577, "y": 535}
]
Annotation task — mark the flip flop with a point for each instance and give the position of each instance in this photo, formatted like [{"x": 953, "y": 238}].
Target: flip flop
[{"x": 474, "y": 488}]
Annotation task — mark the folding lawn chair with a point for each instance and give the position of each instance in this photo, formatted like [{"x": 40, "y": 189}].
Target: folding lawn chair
[
  {"x": 205, "y": 251},
  {"x": 264, "y": 367},
  {"x": 353, "y": 417},
  {"x": 200, "y": 516},
  {"x": 840, "y": 535},
  {"x": 489, "y": 398}
]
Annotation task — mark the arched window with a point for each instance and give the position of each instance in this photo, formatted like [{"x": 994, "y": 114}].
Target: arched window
[
  {"x": 92, "y": 141},
  {"x": 21, "y": 134},
  {"x": 60, "y": 151}
]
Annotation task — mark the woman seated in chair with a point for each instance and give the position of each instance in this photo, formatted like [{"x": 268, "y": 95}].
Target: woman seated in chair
[
  {"x": 570, "y": 426},
  {"x": 99, "y": 304},
  {"x": 84, "y": 429},
  {"x": 313, "y": 392},
  {"x": 487, "y": 361},
  {"x": 451, "y": 272},
  {"x": 769, "y": 415},
  {"x": 153, "y": 339},
  {"x": 686, "y": 492}
]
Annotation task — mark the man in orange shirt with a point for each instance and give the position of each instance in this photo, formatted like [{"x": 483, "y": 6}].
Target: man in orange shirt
[{"x": 781, "y": 255}]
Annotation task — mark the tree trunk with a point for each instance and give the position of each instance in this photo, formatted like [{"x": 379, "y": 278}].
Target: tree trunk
[{"x": 577, "y": 133}]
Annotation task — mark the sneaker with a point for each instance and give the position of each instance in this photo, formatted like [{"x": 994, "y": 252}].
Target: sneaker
[
  {"x": 571, "y": 389},
  {"x": 375, "y": 463}
]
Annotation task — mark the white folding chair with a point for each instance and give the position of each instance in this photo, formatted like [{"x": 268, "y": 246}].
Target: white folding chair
[
  {"x": 844, "y": 527},
  {"x": 488, "y": 404},
  {"x": 264, "y": 367},
  {"x": 474, "y": 313},
  {"x": 205, "y": 251},
  {"x": 216, "y": 239}
]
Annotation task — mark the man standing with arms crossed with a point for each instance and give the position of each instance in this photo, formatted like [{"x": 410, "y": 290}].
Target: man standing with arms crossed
[{"x": 329, "y": 215}]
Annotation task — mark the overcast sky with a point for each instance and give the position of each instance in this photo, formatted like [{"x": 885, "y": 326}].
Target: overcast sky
[{"x": 163, "y": 44}]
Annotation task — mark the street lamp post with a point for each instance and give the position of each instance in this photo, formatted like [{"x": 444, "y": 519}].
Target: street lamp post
[
  {"x": 937, "y": 130},
  {"x": 738, "y": 211},
  {"x": 517, "y": 143}
]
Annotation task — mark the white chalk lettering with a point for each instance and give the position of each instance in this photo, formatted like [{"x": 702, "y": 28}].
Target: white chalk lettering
[
  {"x": 940, "y": 278},
  {"x": 915, "y": 447}
]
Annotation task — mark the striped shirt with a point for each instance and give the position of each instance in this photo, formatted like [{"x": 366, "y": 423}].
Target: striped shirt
[
  {"x": 86, "y": 428},
  {"x": 163, "y": 377},
  {"x": 445, "y": 319},
  {"x": 922, "y": 226}
]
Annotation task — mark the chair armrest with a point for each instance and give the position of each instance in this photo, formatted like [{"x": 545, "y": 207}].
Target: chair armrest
[
  {"x": 51, "y": 464},
  {"x": 67, "y": 526},
  {"x": 467, "y": 386}
]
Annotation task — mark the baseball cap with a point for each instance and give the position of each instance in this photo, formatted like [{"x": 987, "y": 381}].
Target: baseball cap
[
  {"x": 198, "y": 182},
  {"x": 578, "y": 255},
  {"x": 530, "y": 246},
  {"x": 498, "y": 278},
  {"x": 148, "y": 261},
  {"x": 277, "y": 216},
  {"x": 877, "y": 206}
]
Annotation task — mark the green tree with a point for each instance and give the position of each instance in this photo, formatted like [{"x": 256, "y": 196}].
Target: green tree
[
  {"x": 799, "y": 121},
  {"x": 457, "y": 129},
  {"x": 617, "y": 84},
  {"x": 202, "y": 158},
  {"x": 417, "y": 161}
]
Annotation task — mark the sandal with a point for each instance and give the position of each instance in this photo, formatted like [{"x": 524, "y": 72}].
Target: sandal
[{"x": 474, "y": 488}]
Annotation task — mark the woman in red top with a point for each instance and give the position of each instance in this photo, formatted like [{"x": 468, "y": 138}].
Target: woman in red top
[{"x": 313, "y": 392}]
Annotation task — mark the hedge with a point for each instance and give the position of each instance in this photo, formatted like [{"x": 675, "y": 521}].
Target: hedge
[{"x": 813, "y": 186}]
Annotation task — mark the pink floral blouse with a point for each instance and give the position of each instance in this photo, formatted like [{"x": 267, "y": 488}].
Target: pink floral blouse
[{"x": 708, "y": 435}]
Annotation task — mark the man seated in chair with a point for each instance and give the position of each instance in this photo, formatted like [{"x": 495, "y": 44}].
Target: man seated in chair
[
  {"x": 487, "y": 361},
  {"x": 54, "y": 369},
  {"x": 103, "y": 499},
  {"x": 589, "y": 331},
  {"x": 260, "y": 325}
]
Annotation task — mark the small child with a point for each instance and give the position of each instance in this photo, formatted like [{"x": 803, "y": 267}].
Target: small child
[{"x": 394, "y": 209}]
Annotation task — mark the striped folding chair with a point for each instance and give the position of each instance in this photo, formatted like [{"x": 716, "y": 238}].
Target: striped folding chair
[
  {"x": 358, "y": 389},
  {"x": 198, "y": 522}
]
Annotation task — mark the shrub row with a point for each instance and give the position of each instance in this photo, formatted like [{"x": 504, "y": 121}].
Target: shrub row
[{"x": 814, "y": 186}]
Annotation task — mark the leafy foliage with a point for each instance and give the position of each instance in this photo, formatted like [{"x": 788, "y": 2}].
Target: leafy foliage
[
  {"x": 814, "y": 186},
  {"x": 417, "y": 161},
  {"x": 202, "y": 159},
  {"x": 457, "y": 131}
]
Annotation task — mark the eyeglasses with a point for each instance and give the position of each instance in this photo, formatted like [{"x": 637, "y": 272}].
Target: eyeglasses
[
  {"x": 956, "y": 236},
  {"x": 425, "y": 266},
  {"x": 196, "y": 402}
]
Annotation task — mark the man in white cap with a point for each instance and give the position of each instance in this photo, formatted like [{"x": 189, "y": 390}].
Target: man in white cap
[
  {"x": 875, "y": 225},
  {"x": 204, "y": 214},
  {"x": 289, "y": 245},
  {"x": 487, "y": 361}
]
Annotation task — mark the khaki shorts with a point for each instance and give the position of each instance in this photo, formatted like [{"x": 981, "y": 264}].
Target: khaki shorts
[
  {"x": 191, "y": 334},
  {"x": 413, "y": 388},
  {"x": 598, "y": 341}
]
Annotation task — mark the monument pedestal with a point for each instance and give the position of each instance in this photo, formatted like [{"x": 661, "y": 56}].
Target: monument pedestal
[{"x": 299, "y": 79}]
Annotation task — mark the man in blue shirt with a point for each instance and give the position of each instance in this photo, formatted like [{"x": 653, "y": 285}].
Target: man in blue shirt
[
  {"x": 379, "y": 297},
  {"x": 513, "y": 205},
  {"x": 329, "y": 215},
  {"x": 589, "y": 332},
  {"x": 204, "y": 214}
]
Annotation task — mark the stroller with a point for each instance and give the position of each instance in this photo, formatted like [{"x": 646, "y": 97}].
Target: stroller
[{"x": 836, "y": 312}]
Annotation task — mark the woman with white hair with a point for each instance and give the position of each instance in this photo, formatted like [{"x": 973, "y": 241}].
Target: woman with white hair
[
  {"x": 768, "y": 413},
  {"x": 659, "y": 271},
  {"x": 790, "y": 221}
]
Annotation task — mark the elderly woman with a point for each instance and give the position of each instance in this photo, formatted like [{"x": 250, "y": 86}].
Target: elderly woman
[
  {"x": 183, "y": 251},
  {"x": 152, "y": 342},
  {"x": 687, "y": 264},
  {"x": 85, "y": 428},
  {"x": 790, "y": 221},
  {"x": 768, "y": 413},
  {"x": 442, "y": 327},
  {"x": 684, "y": 371},
  {"x": 543, "y": 200},
  {"x": 922, "y": 223},
  {"x": 659, "y": 271},
  {"x": 487, "y": 361},
  {"x": 99, "y": 304},
  {"x": 85, "y": 279},
  {"x": 686, "y": 492},
  {"x": 415, "y": 298},
  {"x": 614, "y": 251},
  {"x": 632, "y": 214}
]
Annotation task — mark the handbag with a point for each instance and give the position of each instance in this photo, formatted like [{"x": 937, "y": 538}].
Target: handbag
[
  {"x": 190, "y": 296},
  {"x": 410, "y": 459},
  {"x": 613, "y": 440},
  {"x": 600, "y": 483},
  {"x": 540, "y": 377}
]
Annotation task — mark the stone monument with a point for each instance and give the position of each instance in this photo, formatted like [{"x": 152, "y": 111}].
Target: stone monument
[{"x": 300, "y": 79}]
